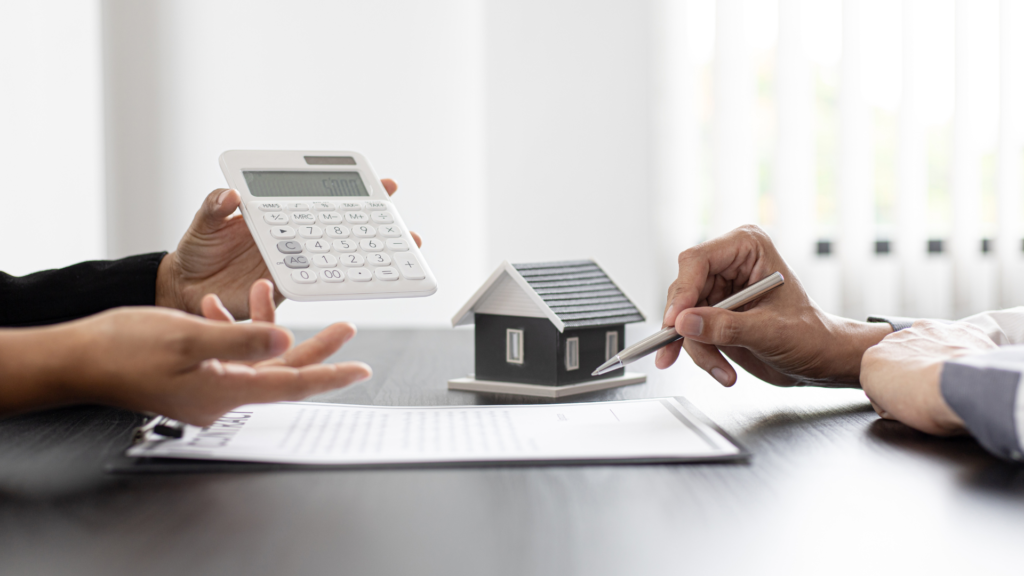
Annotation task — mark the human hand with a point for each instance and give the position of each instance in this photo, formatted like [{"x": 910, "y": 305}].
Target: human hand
[
  {"x": 194, "y": 369},
  {"x": 782, "y": 338},
  {"x": 261, "y": 309},
  {"x": 217, "y": 255},
  {"x": 902, "y": 374}
]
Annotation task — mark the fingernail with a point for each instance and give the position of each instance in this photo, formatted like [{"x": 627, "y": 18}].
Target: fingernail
[
  {"x": 352, "y": 334},
  {"x": 721, "y": 376},
  {"x": 223, "y": 196},
  {"x": 368, "y": 372},
  {"x": 670, "y": 316},
  {"x": 693, "y": 325},
  {"x": 279, "y": 342}
]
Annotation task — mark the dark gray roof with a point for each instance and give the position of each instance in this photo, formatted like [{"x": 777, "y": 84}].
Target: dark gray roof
[{"x": 579, "y": 293}]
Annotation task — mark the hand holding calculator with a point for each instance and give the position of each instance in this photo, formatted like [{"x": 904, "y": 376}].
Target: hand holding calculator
[{"x": 325, "y": 226}]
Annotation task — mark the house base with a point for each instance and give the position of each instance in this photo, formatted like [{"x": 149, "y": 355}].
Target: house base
[{"x": 471, "y": 384}]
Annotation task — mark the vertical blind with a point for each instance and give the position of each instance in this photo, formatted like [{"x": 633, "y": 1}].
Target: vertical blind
[{"x": 879, "y": 143}]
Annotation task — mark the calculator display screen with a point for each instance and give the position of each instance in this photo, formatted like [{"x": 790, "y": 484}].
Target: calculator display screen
[{"x": 271, "y": 184}]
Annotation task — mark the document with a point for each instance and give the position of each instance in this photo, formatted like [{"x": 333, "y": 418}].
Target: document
[{"x": 665, "y": 429}]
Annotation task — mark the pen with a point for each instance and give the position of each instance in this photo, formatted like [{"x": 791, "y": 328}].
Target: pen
[{"x": 669, "y": 335}]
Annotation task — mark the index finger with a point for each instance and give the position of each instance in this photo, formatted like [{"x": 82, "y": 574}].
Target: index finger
[
  {"x": 261, "y": 301},
  {"x": 711, "y": 271},
  {"x": 389, "y": 185}
]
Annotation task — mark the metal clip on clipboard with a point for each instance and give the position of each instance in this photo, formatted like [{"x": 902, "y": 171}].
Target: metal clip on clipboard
[{"x": 161, "y": 426}]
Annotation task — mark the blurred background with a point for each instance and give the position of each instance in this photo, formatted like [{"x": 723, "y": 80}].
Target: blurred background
[{"x": 879, "y": 142}]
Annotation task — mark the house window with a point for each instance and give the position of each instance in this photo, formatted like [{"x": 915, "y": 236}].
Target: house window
[
  {"x": 514, "y": 346},
  {"x": 611, "y": 344},
  {"x": 572, "y": 353}
]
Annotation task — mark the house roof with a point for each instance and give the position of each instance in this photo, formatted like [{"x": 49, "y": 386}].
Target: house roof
[{"x": 572, "y": 294}]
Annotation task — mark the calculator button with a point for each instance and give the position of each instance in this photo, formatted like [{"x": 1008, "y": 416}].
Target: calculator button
[
  {"x": 304, "y": 276},
  {"x": 350, "y": 205},
  {"x": 289, "y": 247},
  {"x": 270, "y": 206},
  {"x": 297, "y": 206},
  {"x": 360, "y": 274},
  {"x": 332, "y": 275},
  {"x": 397, "y": 244},
  {"x": 337, "y": 232},
  {"x": 376, "y": 205},
  {"x": 356, "y": 217},
  {"x": 323, "y": 206},
  {"x": 351, "y": 259},
  {"x": 345, "y": 245},
  {"x": 282, "y": 232},
  {"x": 275, "y": 218},
  {"x": 324, "y": 261},
  {"x": 364, "y": 231},
  {"x": 409, "y": 266},
  {"x": 310, "y": 231},
  {"x": 381, "y": 217},
  {"x": 329, "y": 217},
  {"x": 303, "y": 218},
  {"x": 296, "y": 261},
  {"x": 390, "y": 231},
  {"x": 371, "y": 245},
  {"x": 318, "y": 246},
  {"x": 388, "y": 273},
  {"x": 378, "y": 259}
]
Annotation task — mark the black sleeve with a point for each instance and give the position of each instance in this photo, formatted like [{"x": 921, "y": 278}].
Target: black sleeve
[{"x": 77, "y": 291}]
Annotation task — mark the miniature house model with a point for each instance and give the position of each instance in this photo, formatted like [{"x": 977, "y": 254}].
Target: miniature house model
[{"x": 541, "y": 329}]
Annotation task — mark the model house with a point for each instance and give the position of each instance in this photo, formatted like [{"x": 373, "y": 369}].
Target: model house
[{"x": 548, "y": 324}]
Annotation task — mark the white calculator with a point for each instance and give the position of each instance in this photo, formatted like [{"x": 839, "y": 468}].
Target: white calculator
[{"x": 326, "y": 227}]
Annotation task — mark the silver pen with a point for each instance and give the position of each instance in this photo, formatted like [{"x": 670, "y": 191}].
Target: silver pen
[{"x": 669, "y": 335}]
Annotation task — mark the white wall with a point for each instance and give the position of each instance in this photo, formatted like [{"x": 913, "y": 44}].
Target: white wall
[
  {"x": 568, "y": 126},
  {"x": 51, "y": 153},
  {"x": 516, "y": 130},
  {"x": 398, "y": 81}
]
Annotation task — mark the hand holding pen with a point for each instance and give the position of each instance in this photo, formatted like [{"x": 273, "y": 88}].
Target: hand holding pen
[
  {"x": 783, "y": 338},
  {"x": 668, "y": 335}
]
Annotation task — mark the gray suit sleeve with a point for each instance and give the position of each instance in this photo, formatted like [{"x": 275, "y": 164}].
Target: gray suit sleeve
[{"x": 984, "y": 391}]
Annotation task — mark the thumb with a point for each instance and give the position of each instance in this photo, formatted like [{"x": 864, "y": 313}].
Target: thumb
[
  {"x": 256, "y": 341},
  {"x": 218, "y": 205},
  {"x": 721, "y": 327}
]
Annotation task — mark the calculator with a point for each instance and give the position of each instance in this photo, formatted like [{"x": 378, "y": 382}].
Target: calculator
[{"x": 325, "y": 226}]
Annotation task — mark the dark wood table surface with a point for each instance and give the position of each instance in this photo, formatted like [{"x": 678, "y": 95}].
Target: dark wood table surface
[{"x": 830, "y": 489}]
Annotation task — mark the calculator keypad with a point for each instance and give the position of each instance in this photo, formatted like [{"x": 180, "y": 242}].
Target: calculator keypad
[
  {"x": 338, "y": 242},
  {"x": 289, "y": 247},
  {"x": 282, "y": 232},
  {"x": 359, "y": 275},
  {"x": 304, "y": 276},
  {"x": 296, "y": 261},
  {"x": 332, "y": 275},
  {"x": 318, "y": 246},
  {"x": 310, "y": 231},
  {"x": 364, "y": 231},
  {"x": 337, "y": 231},
  {"x": 329, "y": 217},
  {"x": 303, "y": 218}
]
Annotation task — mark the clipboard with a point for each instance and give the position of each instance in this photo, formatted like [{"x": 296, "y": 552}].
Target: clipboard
[{"x": 689, "y": 415}]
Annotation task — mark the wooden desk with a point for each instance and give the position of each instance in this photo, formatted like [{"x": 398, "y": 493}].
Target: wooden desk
[{"x": 830, "y": 489}]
